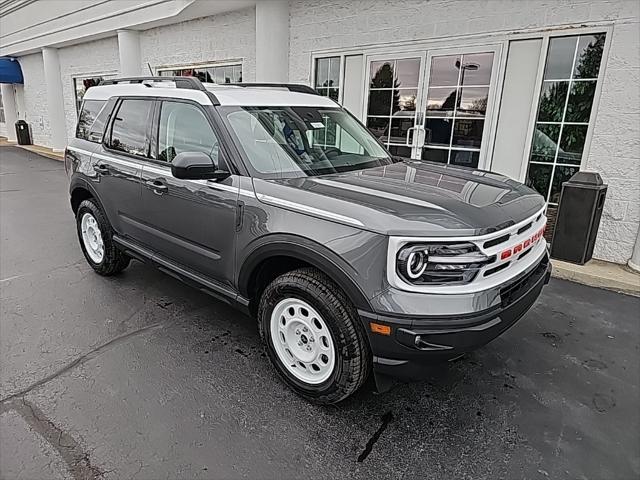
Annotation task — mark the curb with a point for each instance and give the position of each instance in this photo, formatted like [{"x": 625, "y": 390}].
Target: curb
[{"x": 599, "y": 274}]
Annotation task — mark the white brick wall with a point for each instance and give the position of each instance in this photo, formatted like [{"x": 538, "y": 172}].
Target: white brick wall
[
  {"x": 34, "y": 98},
  {"x": 85, "y": 59},
  {"x": 218, "y": 38},
  {"x": 615, "y": 146}
]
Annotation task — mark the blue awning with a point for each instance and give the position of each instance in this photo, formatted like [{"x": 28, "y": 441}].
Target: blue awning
[{"x": 10, "y": 71}]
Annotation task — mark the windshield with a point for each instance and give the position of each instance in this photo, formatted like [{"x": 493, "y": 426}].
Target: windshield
[{"x": 304, "y": 141}]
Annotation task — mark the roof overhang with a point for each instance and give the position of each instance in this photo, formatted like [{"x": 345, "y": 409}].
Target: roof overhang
[{"x": 27, "y": 26}]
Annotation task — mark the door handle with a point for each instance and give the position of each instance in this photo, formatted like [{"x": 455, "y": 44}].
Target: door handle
[
  {"x": 101, "y": 168},
  {"x": 158, "y": 186}
]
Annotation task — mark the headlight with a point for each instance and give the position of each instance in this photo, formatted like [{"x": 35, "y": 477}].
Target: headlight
[{"x": 439, "y": 263}]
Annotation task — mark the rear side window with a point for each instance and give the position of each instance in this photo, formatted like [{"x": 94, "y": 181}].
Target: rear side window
[
  {"x": 130, "y": 126},
  {"x": 88, "y": 120},
  {"x": 184, "y": 128}
]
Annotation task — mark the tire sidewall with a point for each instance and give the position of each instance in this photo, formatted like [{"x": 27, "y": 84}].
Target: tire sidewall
[{"x": 271, "y": 297}]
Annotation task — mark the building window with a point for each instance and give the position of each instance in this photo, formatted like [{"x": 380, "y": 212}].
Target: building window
[
  {"x": 327, "y": 78},
  {"x": 211, "y": 74},
  {"x": 82, "y": 84},
  {"x": 2, "y": 119},
  {"x": 457, "y": 98},
  {"x": 564, "y": 112},
  {"x": 391, "y": 110}
]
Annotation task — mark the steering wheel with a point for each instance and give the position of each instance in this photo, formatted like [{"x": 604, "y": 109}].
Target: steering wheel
[{"x": 332, "y": 151}]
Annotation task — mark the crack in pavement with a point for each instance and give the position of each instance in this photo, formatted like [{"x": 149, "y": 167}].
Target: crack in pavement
[
  {"x": 81, "y": 360},
  {"x": 386, "y": 419},
  {"x": 65, "y": 445}
]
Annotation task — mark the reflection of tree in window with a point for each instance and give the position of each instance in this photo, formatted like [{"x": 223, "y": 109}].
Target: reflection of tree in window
[{"x": 384, "y": 79}]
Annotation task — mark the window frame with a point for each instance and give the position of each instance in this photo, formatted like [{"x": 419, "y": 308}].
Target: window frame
[
  {"x": 607, "y": 29},
  {"x": 155, "y": 140},
  {"x": 340, "y": 86},
  {"x": 3, "y": 119},
  {"x": 74, "y": 79},
  {"x": 109, "y": 128},
  {"x": 213, "y": 64},
  {"x": 503, "y": 38}
]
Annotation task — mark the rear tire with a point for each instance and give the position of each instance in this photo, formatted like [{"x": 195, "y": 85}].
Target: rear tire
[
  {"x": 96, "y": 240},
  {"x": 313, "y": 336}
]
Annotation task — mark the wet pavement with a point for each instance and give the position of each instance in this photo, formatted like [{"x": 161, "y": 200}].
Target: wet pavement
[{"x": 139, "y": 376}]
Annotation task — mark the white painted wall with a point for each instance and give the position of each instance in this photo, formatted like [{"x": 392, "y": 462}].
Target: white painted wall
[
  {"x": 221, "y": 37},
  {"x": 33, "y": 97},
  {"x": 80, "y": 61}
]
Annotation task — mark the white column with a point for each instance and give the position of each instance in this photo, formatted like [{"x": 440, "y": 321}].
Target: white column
[
  {"x": 55, "y": 99},
  {"x": 272, "y": 41},
  {"x": 634, "y": 261},
  {"x": 10, "y": 112},
  {"x": 129, "y": 50}
]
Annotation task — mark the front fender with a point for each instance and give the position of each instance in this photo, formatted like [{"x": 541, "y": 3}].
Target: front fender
[{"x": 306, "y": 250}]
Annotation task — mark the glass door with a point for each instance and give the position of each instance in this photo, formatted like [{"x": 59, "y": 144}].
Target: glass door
[
  {"x": 434, "y": 105},
  {"x": 393, "y": 95}
]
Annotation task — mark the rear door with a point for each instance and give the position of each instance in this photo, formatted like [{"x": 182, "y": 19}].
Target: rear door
[
  {"x": 118, "y": 163},
  {"x": 190, "y": 222}
]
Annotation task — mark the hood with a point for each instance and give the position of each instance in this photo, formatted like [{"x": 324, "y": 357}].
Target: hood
[{"x": 409, "y": 198}]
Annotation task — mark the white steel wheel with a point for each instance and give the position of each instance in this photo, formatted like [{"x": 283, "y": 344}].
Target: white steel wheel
[
  {"x": 92, "y": 238},
  {"x": 302, "y": 341}
]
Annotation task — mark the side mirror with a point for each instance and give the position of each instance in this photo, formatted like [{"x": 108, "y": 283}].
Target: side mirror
[{"x": 196, "y": 166}]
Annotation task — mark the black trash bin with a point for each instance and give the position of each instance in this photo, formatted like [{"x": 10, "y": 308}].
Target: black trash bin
[
  {"x": 579, "y": 212},
  {"x": 23, "y": 133}
]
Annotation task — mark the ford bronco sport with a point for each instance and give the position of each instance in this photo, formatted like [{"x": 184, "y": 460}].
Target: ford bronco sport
[{"x": 278, "y": 201}]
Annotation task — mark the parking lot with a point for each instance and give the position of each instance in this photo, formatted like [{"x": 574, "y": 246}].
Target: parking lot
[{"x": 139, "y": 376}]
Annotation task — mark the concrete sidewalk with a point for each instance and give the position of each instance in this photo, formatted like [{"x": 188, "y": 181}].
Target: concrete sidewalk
[{"x": 40, "y": 150}]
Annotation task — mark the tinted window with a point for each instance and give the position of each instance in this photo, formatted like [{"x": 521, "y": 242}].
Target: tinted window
[
  {"x": 184, "y": 128},
  {"x": 129, "y": 131},
  {"x": 86, "y": 120}
]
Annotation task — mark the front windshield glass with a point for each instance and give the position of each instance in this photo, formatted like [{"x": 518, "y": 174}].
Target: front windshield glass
[{"x": 304, "y": 141}]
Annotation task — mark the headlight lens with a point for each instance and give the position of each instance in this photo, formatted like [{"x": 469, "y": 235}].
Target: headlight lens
[
  {"x": 439, "y": 263},
  {"x": 412, "y": 262}
]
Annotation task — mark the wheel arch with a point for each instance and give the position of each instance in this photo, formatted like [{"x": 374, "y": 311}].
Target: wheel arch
[
  {"x": 298, "y": 251},
  {"x": 79, "y": 190}
]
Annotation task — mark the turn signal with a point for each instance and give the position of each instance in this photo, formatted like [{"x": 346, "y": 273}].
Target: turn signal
[{"x": 381, "y": 329}]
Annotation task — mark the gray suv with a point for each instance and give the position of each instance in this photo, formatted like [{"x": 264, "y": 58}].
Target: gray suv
[{"x": 279, "y": 202}]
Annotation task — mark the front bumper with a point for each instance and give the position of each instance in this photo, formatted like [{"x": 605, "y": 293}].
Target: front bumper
[{"x": 419, "y": 340}]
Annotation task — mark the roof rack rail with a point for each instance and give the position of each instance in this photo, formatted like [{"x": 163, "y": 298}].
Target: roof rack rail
[
  {"x": 189, "y": 83},
  {"x": 292, "y": 87},
  {"x": 181, "y": 82}
]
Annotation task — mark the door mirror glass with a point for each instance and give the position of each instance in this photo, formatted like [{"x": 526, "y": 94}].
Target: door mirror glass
[{"x": 196, "y": 166}]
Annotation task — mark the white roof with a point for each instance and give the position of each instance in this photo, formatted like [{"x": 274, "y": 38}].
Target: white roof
[{"x": 226, "y": 94}]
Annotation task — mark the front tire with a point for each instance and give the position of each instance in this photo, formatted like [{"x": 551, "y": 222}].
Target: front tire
[
  {"x": 96, "y": 240},
  {"x": 313, "y": 336}
]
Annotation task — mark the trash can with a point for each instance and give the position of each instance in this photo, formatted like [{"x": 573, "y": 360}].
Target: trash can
[
  {"x": 23, "y": 133},
  {"x": 579, "y": 212}
]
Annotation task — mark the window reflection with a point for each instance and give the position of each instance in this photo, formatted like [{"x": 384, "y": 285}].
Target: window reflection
[
  {"x": 572, "y": 67},
  {"x": 392, "y": 94},
  {"x": 457, "y": 98}
]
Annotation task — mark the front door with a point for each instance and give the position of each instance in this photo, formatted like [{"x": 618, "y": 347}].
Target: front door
[
  {"x": 434, "y": 106},
  {"x": 190, "y": 222}
]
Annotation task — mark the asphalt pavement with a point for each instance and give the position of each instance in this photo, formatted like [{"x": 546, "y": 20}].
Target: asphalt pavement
[{"x": 139, "y": 376}]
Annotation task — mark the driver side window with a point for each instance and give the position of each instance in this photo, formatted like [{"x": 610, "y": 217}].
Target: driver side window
[{"x": 184, "y": 128}]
